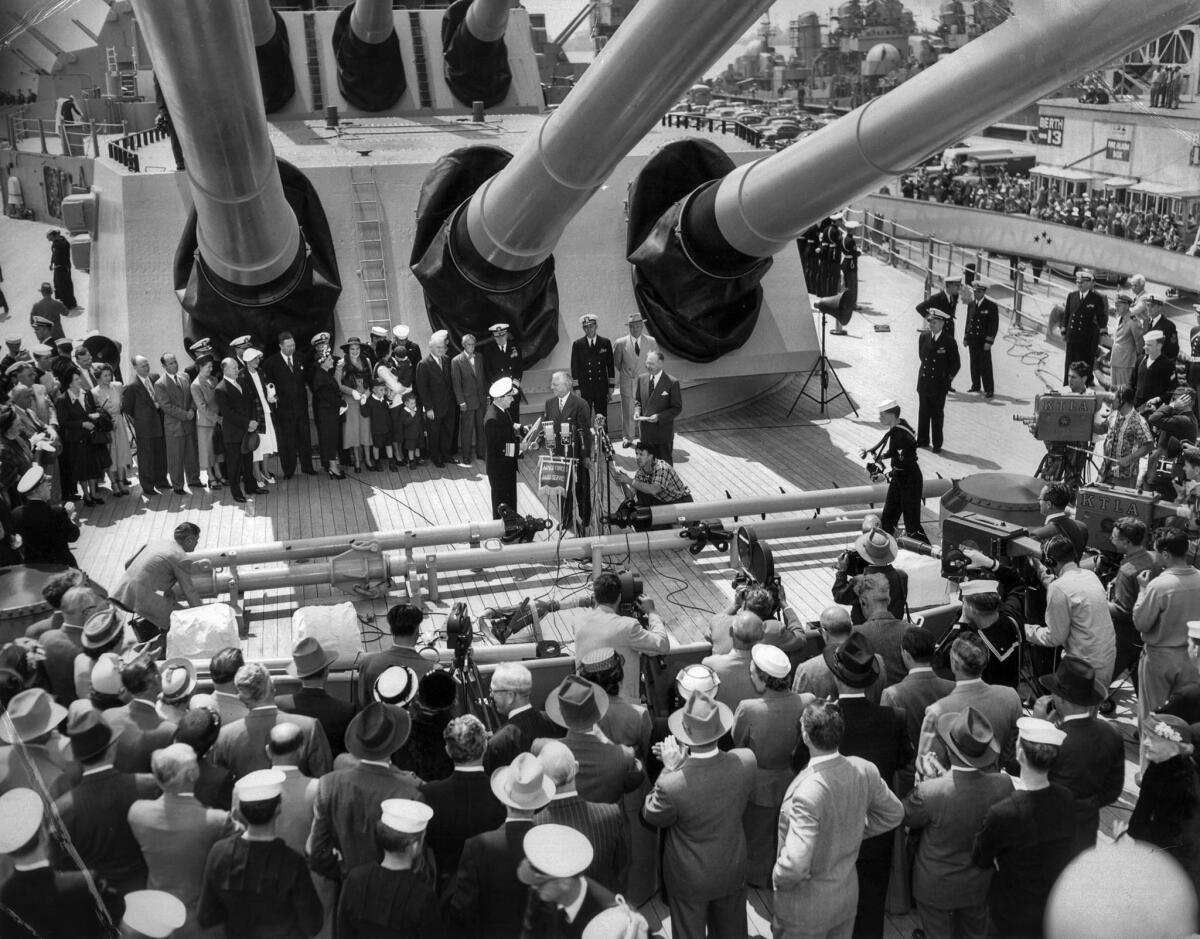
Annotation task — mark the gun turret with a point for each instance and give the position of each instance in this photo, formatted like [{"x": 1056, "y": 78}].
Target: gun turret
[
  {"x": 273, "y": 52},
  {"x": 476, "y": 58},
  {"x": 370, "y": 69}
]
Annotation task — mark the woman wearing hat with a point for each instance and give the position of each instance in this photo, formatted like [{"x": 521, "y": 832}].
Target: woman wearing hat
[
  {"x": 257, "y": 386},
  {"x": 79, "y": 417},
  {"x": 208, "y": 416},
  {"x": 107, "y": 392},
  {"x": 357, "y": 374},
  {"x": 1167, "y": 813}
]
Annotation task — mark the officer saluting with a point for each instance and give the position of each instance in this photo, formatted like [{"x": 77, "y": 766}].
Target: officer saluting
[
  {"x": 503, "y": 445},
  {"x": 983, "y": 322},
  {"x": 592, "y": 370},
  {"x": 939, "y": 365}
]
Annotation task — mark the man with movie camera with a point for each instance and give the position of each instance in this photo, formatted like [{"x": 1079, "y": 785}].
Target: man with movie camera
[
  {"x": 995, "y": 611},
  {"x": 1174, "y": 424},
  {"x": 782, "y": 625},
  {"x": 874, "y": 552},
  {"x": 621, "y": 618},
  {"x": 905, "y": 482}
]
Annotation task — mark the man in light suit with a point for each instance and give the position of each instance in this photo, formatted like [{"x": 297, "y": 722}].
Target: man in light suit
[
  {"x": 733, "y": 668},
  {"x": 466, "y": 375},
  {"x": 153, "y": 575},
  {"x": 1000, "y": 704},
  {"x": 606, "y": 770},
  {"x": 921, "y": 687},
  {"x": 659, "y": 401},
  {"x": 567, "y": 407},
  {"x": 173, "y": 395},
  {"x": 699, "y": 799},
  {"x": 592, "y": 367},
  {"x": 139, "y": 402},
  {"x": 629, "y": 360},
  {"x": 604, "y": 627},
  {"x": 821, "y": 827},
  {"x": 949, "y": 810},
  {"x": 435, "y": 391}
]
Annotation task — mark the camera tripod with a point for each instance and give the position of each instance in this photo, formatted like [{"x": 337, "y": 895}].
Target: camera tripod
[
  {"x": 823, "y": 368},
  {"x": 472, "y": 694}
]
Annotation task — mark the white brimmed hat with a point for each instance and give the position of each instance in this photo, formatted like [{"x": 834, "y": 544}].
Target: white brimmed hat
[
  {"x": 558, "y": 851},
  {"x": 770, "y": 660},
  {"x": 497, "y": 327},
  {"x": 523, "y": 784},
  {"x": 30, "y": 480},
  {"x": 396, "y": 685},
  {"x": 260, "y": 785},
  {"x": 401, "y": 331},
  {"x": 501, "y": 387},
  {"x": 154, "y": 914},
  {"x": 1036, "y": 730},
  {"x": 588, "y": 318},
  {"x": 251, "y": 355},
  {"x": 977, "y": 588},
  {"x": 888, "y": 404},
  {"x": 21, "y": 813},
  {"x": 178, "y": 680},
  {"x": 1194, "y": 629},
  {"x": 405, "y": 815},
  {"x": 1155, "y": 335}
]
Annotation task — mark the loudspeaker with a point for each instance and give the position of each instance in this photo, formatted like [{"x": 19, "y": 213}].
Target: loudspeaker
[{"x": 840, "y": 306}]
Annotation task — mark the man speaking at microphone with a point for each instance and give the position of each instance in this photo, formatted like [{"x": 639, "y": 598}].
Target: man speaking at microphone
[{"x": 570, "y": 435}]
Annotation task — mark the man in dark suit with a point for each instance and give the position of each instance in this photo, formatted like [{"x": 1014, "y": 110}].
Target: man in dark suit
[
  {"x": 502, "y": 445},
  {"x": 1154, "y": 375},
  {"x": 983, "y": 322},
  {"x": 1091, "y": 760},
  {"x": 404, "y": 623},
  {"x": 699, "y": 798},
  {"x": 939, "y": 364},
  {"x": 486, "y": 900},
  {"x": 920, "y": 687},
  {"x": 1085, "y": 320},
  {"x": 173, "y": 395},
  {"x": 47, "y": 531},
  {"x": 946, "y": 300},
  {"x": 660, "y": 402},
  {"x": 139, "y": 725},
  {"x": 1160, "y": 322},
  {"x": 878, "y": 734},
  {"x": 286, "y": 373},
  {"x": 310, "y": 663},
  {"x": 511, "y": 687},
  {"x": 502, "y": 359},
  {"x": 592, "y": 369},
  {"x": 555, "y": 858},
  {"x": 140, "y": 405},
  {"x": 606, "y": 770},
  {"x": 466, "y": 375},
  {"x": 463, "y": 803},
  {"x": 237, "y": 420},
  {"x": 733, "y": 668},
  {"x": 435, "y": 391},
  {"x": 566, "y": 407},
  {"x": 881, "y": 629},
  {"x": 948, "y": 810}
]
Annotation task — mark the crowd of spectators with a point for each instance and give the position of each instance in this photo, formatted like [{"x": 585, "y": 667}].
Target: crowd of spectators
[{"x": 20, "y": 96}]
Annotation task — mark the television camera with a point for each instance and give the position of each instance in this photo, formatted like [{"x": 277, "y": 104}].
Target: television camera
[
  {"x": 756, "y": 567},
  {"x": 459, "y": 637},
  {"x": 520, "y": 529},
  {"x": 1062, "y": 418},
  {"x": 505, "y": 622}
]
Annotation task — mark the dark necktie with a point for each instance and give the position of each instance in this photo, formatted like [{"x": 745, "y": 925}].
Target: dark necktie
[{"x": 637, "y": 347}]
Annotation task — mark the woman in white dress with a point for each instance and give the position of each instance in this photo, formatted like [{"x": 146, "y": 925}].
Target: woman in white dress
[
  {"x": 108, "y": 397},
  {"x": 268, "y": 443}
]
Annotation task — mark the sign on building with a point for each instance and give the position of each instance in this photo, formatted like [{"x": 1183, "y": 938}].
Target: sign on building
[
  {"x": 1118, "y": 144},
  {"x": 1050, "y": 129}
]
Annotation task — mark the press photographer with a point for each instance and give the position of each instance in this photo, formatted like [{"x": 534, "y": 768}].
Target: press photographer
[
  {"x": 624, "y": 620},
  {"x": 1174, "y": 427},
  {"x": 655, "y": 482},
  {"x": 873, "y": 552},
  {"x": 905, "y": 482},
  {"x": 782, "y": 625}
]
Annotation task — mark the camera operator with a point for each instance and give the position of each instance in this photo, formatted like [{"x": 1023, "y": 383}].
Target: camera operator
[
  {"x": 995, "y": 609},
  {"x": 782, "y": 626},
  {"x": 1053, "y": 502},
  {"x": 1077, "y": 616},
  {"x": 655, "y": 483},
  {"x": 899, "y": 445},
  {"x": 1173, "y": 424},
  {"x": 874, "y": 553},
  {"x": 628, "y": 636}
]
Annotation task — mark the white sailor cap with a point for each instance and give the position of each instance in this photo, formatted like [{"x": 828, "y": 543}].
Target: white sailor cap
[
  {"x": 888, "y": 404},
  {"x": 405, "y": 815},
  {"x": 259, "y": 786},
  {"x": 240, "y": 341},
  {"x": 977, "y": 588},
  {"x": 41, "y": 349},
  {"x": 378, "y": 332},
  {"x": 30, "y": 480},
  {"x": 770, "y": 660},
  {"x": 1155, "y": 335},
  {"x": 588, "y": 318},
  {"x": 154, "y": 914},
  {"x": 1193, "y": 627},
  {"x": 20, "y": 818},
  {"x": 497, "y": 327},
  {"x": 501, "y": 387},
  {"x": 106, "y": 674},
  {"x": 18, "y": 365},
  {"x": 1036, "y": 730},
  {"x": 13, "y": 342},
  {"x": 64, "y": 343},
  {"x": 401, "y": 331},
  {"x": 251, "y": 355},
  {"x": 558, "y": 851}
]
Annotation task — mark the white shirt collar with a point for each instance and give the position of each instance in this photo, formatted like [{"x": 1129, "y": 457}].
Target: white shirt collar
[
  {"x": 706, "y": 755},
  {"x": 35, "y": 866},
  {"x": 969, "y": 681},
  {"x": 469, "y": 769},
  {"x": 920, "y": 668},
  {"x": 846, "y": 695},
  {"x": 559, "y": 796},
  {"x": 1075, "y": 717},
  {"x": 1053, "y": 515},
  {"x": 963, "y": 769},
  {"x": 562, "y": 402},
  {"x": 823, "y": 759},
  {"x": 386, "y": 763},
  {"x": 516, "y": 711},
  {"x": 97, "y": 769},
  {"x": 573, "y": 910}
]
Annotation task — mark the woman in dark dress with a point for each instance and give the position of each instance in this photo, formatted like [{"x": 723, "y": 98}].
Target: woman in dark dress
[
  {"x": 1167, "y": 813},
  {"x": 80, "y": 420},
  {"x": 327, "y": 412},
  {"x": 357, "y": 373},
  {"x": 60, "y": 265}
]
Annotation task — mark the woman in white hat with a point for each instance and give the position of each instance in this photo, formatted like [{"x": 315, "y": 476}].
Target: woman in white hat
[{"x": 268, "y": 442}]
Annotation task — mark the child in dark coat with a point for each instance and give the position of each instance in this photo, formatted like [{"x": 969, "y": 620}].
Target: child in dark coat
[
  {"x": 408, "y": 431},
  {"x": 378, "y": 410}
]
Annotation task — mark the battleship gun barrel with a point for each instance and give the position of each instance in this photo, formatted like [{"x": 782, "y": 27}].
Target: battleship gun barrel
[
  {"x": 247, "y": 234},
  {"x": 515, "y": 218},
  {"x": 488, "y": 19},
  {"x": 262, "y": 21},
  {"x": 1029, "y": 55},
  {"x": 371, "y": 20}
]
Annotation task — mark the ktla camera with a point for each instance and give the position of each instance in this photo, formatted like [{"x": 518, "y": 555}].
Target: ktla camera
[{"x": 756, "y": 568}]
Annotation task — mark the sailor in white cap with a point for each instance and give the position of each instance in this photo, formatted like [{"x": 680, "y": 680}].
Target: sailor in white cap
[
  {"x": 257, "y": 878},
  {"x": 46, "y": 530},
  {"x": 388, "y": 898},
  {"x": 504, "y": 444},
  {"x": 1155, "y": 372},
  {"x": 152, "y": 914},
  {"x": 1158, "y": 320},
  {"x": 593, "y": 370},
  {"x": 629, "y": 361},
  {"x": 502, "y": 359},
  {"x": 381, "y": 343},
  {"x": 555, "y": 858},
  {"x": 905, "y": 482},
  {"x": 1084, "y": 321}
]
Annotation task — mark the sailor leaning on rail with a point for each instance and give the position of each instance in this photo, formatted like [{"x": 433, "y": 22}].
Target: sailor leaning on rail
[{"x": 899, "y": 445}]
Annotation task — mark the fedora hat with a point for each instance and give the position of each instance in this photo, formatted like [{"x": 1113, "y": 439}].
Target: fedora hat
[
  {"x": 308, "y": 658},
  {"x": 702, "y": 719},
  {"x": 523, "y": 784},
  {"x": 853, "y": 662},
  {"x": 29, "y": 715},
  {"x": 968, "y": 735},
  {"x": 377, "y": 731},
  {"x": 876, "y": 547},
  {"x": 178, "y": 680},
  {"x": 88, "y": 734},
  {"x": 250, "y": 441},
  {"x": 101, "y": 628},
  {"x": 1074, "y": 681},
  {"x": 576, "y": 704}
]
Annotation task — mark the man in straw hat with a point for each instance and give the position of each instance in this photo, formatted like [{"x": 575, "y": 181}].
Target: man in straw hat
[
  {"x": 95, "y": 811},
  {"x": 348, "y": 799},
  {"x": 389, "y": 898},
  {"x": 699, "y": 799},
  {"x": 253, "y": 879},
  {"x": 1028, "y": 836},
  {"x": 1091, "y": 760},
  {"x": 606, "y": 770},
  {"x": 311, "y": 663},
  {"x": 874, "y": 552},
  {"x": 485, "y": 899},
  {"x": 950, "y": 890},
  {"x": 38, "y": 900},
  {"x": 828, "y": 809}
]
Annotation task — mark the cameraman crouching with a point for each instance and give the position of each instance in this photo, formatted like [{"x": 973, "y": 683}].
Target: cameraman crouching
[
  {"x": 655, "y": 483},
  {"x": 782, "y": 626},
  {"x": 603, "y": 626}
]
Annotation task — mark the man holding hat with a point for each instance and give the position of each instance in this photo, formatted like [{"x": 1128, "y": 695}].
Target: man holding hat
[
  {"x": 253, "y": 882},
  {"x": 388, "y": 898},
  {"x": 30, "y": 720},
  {"x": 939, "y": 363},
  {"x": 50, "y": 311},
  {"x": 948, "y": 810},
  {"x": 503, "y": 445},
  {"x": 946, "y": 300},
  {"x": 983, "y": 322},
  {"x": 38, "y": 900},
  {"x": 700, "y": 798},
  {"x": 874, "y": 553},
  {"x": 1028, "y": 837},
  {"x": 629, "y": 361},
  {"x": 592, "y": 366},
  {"x": 606, "y": 770},
  {"x": 485, "y": 899},
  {"x": 1084, "y": 321},
  {"x": 562, "y": 901},
  {"x": 1091, "y": 760},
  {"x": 311, "y": 663},
  {"x": 1127, "y": 342},
  {"x": 47, "y": 531},
  {"x": 502, "y": 359}
]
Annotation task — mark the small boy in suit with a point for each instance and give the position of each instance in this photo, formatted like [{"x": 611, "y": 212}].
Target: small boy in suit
[
  {"x": 378, "y": 410},
  {"x": 409, "y": 431}
]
